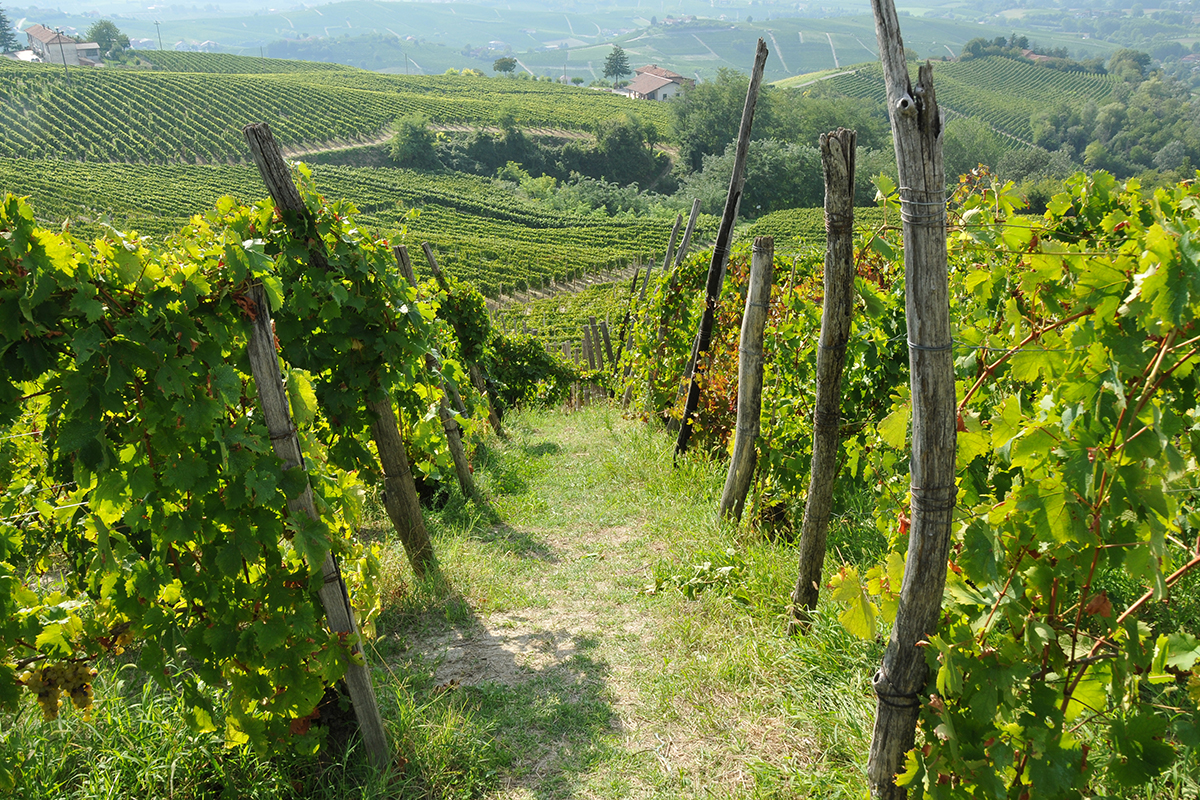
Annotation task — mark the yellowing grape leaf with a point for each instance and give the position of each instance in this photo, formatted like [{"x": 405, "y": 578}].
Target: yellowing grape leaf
[{"x": 893, "y": 429}]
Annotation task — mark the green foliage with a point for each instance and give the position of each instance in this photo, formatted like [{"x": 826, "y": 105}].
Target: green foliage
[
  {"x": 175, "y": 508},
  {"x": 802, "y": 229},
  {"x": 504, "y": 65},
  {"x": 1075, "y": 355},
  {"x": 156, "y": 475},
  {"x": 482, "y": 231},
  {"x": 526, "y": 373},
  {"x": 412, "y": 144},
  {"x": 106, "y": 34}
]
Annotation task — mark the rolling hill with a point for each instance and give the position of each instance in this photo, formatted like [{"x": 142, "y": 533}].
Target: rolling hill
[{"x": 196, "y": 115}]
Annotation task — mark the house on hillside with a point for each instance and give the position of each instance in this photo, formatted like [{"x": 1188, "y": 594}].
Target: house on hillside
[
  {"x": 652, "y": 82},
  {"x": 55, "y": 48}
]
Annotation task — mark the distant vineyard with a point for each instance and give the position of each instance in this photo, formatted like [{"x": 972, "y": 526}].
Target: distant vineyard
[
  {"x": 148, "y": 116},
  {"x": 795, "y": 228},
  {"x": 561, "y": 318},
  {"x": 482, "y": 232},
  {"x": 227, "y": 64},
  {"x": 1002, "y": 92}
]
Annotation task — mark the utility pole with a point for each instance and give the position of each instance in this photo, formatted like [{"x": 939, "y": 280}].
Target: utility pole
[
  {"x": 160, "y": 47},
  {"x": 63, "y": 53},
  {"x": 406, "y": 63}
]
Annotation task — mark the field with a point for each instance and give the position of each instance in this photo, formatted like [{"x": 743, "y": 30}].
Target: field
[
  {"x": 1002, "y": 92},
  {"x": 481, "y": 231},
  {"x": 574, "y": 40},
  {"x": 197, "y": 117}
]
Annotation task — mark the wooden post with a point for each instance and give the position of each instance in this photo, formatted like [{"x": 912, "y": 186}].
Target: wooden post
[
  {"x": 272, "y": 397},
  {"x": 750, "y": 378},
  {"x": 402, "y": 505},
  {"x": 837, "y": 158},
  {"x": 669, "y": 289},
  {"x": 671, "y": 242},
  {"x": 625, "y": 319},
  {"x": 687, "y": 233},
  {"x": 472, "y": 368},
  {"x": 716, "y": 270},
  {"x": 597, "y": 350},
  {"x": 603, "y": 337},
  {"x": 628, "y": 339},
  {"x": 917, "y": 134},
  {"x": 458, "y": 453},
  {"x": 589, "y": 352}
]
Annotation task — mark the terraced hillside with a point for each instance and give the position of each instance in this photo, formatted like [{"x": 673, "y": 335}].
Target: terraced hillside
[
  {"x": 1001, "y": 91},
  {"x": 152, "y": 116},
  {"x": 481, "y": 231}
]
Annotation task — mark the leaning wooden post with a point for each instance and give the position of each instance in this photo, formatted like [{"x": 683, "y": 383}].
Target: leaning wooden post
[
  {"x": 687, "y": 233},
  {"x": 671, "y": 242},
  {"x": 917, "y": 134},
  {"x": 837, "y": 158},
  {"x": 400, "y": 498},
  {"x": 750, "y": 378},
  {"x": 627, "y": 338},
  {"x": 406, "y": 269},
  {"x": 597, "y": 349},
  {"x": 272, "y": 397},
  {"x": 716, "y": 270},
  {"x": 453, "y": 431},
  {"x": 473, "y": 369},
  {"x": 600, "y": 336},
  {"x": 589, "y": 353},
  {"x": 637, "y": 273}
]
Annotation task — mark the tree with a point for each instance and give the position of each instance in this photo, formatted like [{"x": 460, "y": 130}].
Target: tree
[
  {"x": 107, "y": 35},
  {"x": 616, "y": 65},
  {"x": 505, "y": 65},
  {"x": 8, "y": 37},
  {"x": 707, "y": 116},
  {"x": 412, "y": 144}
]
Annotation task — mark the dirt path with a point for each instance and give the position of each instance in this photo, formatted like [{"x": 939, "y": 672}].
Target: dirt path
[{"x": 593, "y": 686}]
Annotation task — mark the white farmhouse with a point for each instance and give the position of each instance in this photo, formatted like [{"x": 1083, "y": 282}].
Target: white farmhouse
[
  {"x": 55, "y": 48},
  {"x": 652, "y": 82}
]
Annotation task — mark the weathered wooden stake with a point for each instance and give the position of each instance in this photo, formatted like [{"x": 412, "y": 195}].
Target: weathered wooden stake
[
  {"x": 406, "y": 269},
  {"x": 272, "y": 397},
  {"x": 589, "y": 353},
  {"x": 637, "y": 273},
  {"x": 917, "y": 134},
  {"x": 670, "y": 289},
  {"x": 400, "y": 497},
  {"x": 687, "y": 233},
  {"x": 716, "y": 270},
  {"x": 627, "y": 339},
  {"x": 750, "y": 378},
  {"x": 597, "y": 349},
  {"x": 671, "y": 242},
  {"x": 612, "y": 361},
  {"x": 472, "y": 368},
  {"x": 837, "y": 158},
  {"x": 458, "y": 453}
]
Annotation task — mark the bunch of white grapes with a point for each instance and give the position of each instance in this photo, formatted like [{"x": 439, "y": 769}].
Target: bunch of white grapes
[{"x": 50, "y": 682}]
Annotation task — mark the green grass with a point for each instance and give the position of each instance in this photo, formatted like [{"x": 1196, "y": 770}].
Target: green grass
[{"x": 553, "y": 657}]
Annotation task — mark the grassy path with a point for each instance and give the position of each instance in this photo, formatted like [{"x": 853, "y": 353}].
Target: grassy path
[{"x": 562, "y": 658}]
